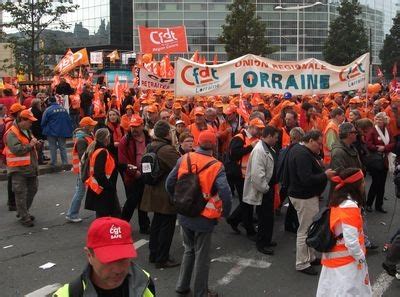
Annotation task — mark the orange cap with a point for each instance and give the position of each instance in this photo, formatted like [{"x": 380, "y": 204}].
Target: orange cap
[
  {"x": 16, "y": 107},
  {"x": 230, "y": 110},
  {"x": 136, "y": 121},
  {"x": 152, "y": 108},
  {"x": 129, "y": 107},
  {"x": 198, "y": 111},
  {"x": 177, "y": 106},
  {"x": 87, "y": 121},
  {"x": 257, "y": 123},
  {"x": 27, "y": 114}
]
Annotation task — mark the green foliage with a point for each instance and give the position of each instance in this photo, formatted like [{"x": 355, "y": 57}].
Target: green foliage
[
  {"x": 244, "y": 32},
  {"x": 390, "y": 53},
  {"x": 31, "y": 18},
  {"x": 347, "y": 39}
]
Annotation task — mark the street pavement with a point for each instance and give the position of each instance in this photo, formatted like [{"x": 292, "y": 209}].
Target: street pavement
[{"x": 237, "y": 269}]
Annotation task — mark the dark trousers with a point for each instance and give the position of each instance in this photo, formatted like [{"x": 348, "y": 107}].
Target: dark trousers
[
  {"x": 196, "y": 261},
  {"x": 265, "y": 214},
  {"x": 377, "y": 188},
  {"x": 161, "y": 233},
  {"x": 393, "y": 255},
  {"x": 113, "y": 211},
  {"x": 243, "y": 212},
  {"x": 134, "y": 192},
  {"x": 10, "y": 193}
]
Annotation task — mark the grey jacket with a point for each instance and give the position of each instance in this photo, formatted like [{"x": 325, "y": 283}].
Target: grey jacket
[
  {"x": 260, "y": 168},
  {"x": 19, "y": 149},
  {"x": 343, "y": 156}
]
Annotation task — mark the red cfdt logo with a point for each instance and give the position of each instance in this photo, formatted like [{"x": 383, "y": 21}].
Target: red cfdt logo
[
  {"x": 192, "y": 76},
  {"x": 352, "y": 72}
]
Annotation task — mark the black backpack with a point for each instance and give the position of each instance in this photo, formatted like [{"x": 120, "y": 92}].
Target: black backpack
[
  {"x": 151, "y": 172},
  {"x": 188, "y": 197},
  {"x": 319, "y": 234}
]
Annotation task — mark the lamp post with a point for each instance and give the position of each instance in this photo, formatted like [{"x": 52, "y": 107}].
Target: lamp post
[{"x": 298, "y": 7}]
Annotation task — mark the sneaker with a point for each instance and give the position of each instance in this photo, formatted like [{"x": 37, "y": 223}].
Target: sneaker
[
  {"x": 27, "y": 223},
  {"x": 73, "y": 220}
]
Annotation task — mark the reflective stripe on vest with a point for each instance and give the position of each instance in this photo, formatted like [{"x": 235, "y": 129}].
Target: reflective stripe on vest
[
  {"x": 91, "y": 182},
  {"x": 327, "y": 153},
  {"x": 340, "y": 255},
  {"x": 213, "y": 208},
  {"x": 15, "y": 160},
  {"x": 245, "y": 159},
  {"x": 76, "y": 162}
]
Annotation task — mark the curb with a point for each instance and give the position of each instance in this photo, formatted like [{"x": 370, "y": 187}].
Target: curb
[{"x": 43, "y": 169}]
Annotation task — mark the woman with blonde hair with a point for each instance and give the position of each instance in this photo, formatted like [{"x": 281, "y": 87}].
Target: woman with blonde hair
[
  {"x": 379, "y": 143},
  {"x": 101, "y": 195}
]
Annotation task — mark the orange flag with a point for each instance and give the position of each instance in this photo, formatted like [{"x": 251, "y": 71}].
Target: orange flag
[
  {"x": 195, "y": 57},
  {"x": 69, "y": 62}
]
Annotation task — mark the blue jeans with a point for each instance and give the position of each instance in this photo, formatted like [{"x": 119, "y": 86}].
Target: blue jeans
[
  {"x": 54, "y": 144},
  {"x": 80, "y": 191}
]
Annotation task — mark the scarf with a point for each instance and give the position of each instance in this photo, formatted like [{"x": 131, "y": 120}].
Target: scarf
[{"x": 385, "y": 138}]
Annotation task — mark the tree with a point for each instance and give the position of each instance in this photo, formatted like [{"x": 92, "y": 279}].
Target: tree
[
  {"x": 347, "y": 39},
  {"x": 244, "y": 33},
  {"x": 31, "y": 18},
  {"x": 390, "y": 53}
]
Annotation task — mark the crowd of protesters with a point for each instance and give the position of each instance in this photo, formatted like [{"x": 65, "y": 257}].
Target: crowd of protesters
[{"x": 269, "y": 150}]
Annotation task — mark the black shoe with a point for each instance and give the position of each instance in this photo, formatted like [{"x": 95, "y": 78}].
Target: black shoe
[
  {"x": 31, "y": 216},
  {"x": 27, "y": 223},
  {"x": 368, "y": 208},
  {"x": 167, "y": 264},
  {"x": 265, "y": 250},
  {"x": 185, "y": 293},
  {"x": 309, "y": 270},
  {"x": 12, "y": 208},
  {"x": 233, "y": 226},
  {"x": 390, "y": 269},
  {"x": 316, "y": 262},
  {"x": 272, "y": 244},
  {"x": 372, "y": 247},
  {"x": 381, "y": 210}
]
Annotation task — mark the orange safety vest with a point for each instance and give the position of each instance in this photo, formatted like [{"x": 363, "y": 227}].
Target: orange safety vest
[
  {"x": 245, "y": 159},
  {"x": 285, "y": 138},
  {"x": 213, "y": 208},
  {"x": 15, "y": 160},
  {"x": 196, "y": 133},
  {"x": 75, "y": 156},
  {"x": 339, "y": 255},
  {"x": 327, "y": 152},
  {"x": 91, "y": 182}
]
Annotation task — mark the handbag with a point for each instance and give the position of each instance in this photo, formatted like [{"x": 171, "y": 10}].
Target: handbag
[{"x": 374, "y": 161}]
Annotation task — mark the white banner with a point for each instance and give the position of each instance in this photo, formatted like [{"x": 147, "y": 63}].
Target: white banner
[
  {"x": 96, "y": 57},
  {"x": 149, "y": 80},
  {"x": 254, "y": 74}
]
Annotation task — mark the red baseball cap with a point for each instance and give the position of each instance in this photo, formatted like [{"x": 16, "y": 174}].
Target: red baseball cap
[
  {"x": 111, "y": 239},
  {"x": 136, "y": 121}
]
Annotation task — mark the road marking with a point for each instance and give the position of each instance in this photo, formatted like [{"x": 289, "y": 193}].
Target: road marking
[
  {"x": 381, "y": 284},
  {"x": 140, "y": 243},
  {"x": 44, "y": 291},
  {"x": 241, "y": 264}
]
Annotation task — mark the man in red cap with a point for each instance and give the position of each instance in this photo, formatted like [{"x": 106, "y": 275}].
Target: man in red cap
[
  {"x": 196, "y": 231},
  {"x": 22, "y": 164},
  {"x": 130, "y": 151},
  {"x": 110, "y": 272}
]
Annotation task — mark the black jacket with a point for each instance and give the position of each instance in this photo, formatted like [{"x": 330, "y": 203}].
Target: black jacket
[
  {"x": 106, "y": 200},
  {"x": 307, "y": 176},
  {"x": 36, "y": 125}
]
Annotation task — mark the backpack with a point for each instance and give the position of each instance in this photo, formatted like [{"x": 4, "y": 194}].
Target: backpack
[
  {"x": 85, "y": 167},
  {"x": 319, "y": 235},
  {"x": 151, "y": 172},
  {"x": 188, "y": 197}
]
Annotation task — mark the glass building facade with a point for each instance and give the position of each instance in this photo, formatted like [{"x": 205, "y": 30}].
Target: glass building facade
[{"x": 203, "y": 21}]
